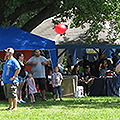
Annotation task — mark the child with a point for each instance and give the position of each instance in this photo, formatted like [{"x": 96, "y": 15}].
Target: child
[
  {"x": 56, "y": 83},
  {"x": 31, "y": 84}
]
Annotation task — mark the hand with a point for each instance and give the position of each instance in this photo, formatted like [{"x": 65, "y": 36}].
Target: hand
[
  {"x": 44, "y": 63},
  {"x": 80, "y": 80},
  {"x": 59, "y": 84},
  {"x": 34, "y": 63},
  {"x": 12, "y": 78},
  {"x": 53, "y": 86},
  {"x": 34, "y": 89}
]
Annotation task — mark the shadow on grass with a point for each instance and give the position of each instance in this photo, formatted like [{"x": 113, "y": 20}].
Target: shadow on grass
[{"x": 85, "y": 102}]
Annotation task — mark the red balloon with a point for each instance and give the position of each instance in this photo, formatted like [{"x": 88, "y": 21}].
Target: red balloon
[{"x": 60, "y": 29}]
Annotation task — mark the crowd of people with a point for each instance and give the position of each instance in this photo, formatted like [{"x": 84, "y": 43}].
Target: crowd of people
[
  {"x": 15, "y": 76},
  {"x": 88, "y": 71}
]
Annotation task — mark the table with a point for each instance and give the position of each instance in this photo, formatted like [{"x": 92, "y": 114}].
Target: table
[
  {"x": 69, "y": 85},
  {"x": 107, "y": 86}
]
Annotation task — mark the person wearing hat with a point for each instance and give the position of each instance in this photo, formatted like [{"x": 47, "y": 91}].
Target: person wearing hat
[{"x": 10, "y": 78}]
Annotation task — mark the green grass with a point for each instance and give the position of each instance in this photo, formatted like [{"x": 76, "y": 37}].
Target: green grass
[{"x": 86, "y": 108}]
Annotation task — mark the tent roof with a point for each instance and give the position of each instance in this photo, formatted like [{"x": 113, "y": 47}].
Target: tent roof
[
  {"x": 21, "y": 40},
  {"x": 73, "y": 38}
]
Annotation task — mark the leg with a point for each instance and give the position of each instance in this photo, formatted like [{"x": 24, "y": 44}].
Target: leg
[
  {"x": 42, "y": 88},
  {"x": 54, "y": 93},
  {"x": 61, "y": 98},
  {"x": 31, "y": 98},
  {"x": 10, "y": 100},
  {"x": 21, "y": 87},
  {"x": 54, "y": 96},
  {"x": 18, "y": 91},
  {"x": 26, "y": 94},
  {"x": 14, "y": 103},
  {"x": 43, "y": 94},
  {"x": 60, "y": 92}
]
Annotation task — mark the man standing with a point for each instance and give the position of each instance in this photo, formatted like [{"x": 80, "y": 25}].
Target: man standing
[
  {"x": 10, "y": 78},
  {"x": 37, "y": 64}
]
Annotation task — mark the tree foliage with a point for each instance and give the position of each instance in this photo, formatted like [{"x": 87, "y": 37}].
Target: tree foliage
[
  {"x": 101, "y": 15},
  {"x": 27, "y": 14}
]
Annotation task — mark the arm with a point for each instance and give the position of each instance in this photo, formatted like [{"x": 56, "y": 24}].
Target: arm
[
  {"x": 34, "y": 84},
  {"x": 61, "y": 78},
  {"x": 60, "y": 82},
  {"x": 26, "y": 85},
  {"x": 31, "y": 63},
  {"x": 100, "y": 66},
  {"x": 52, "y": 81},
  {"x": 82, "y": 79},
  {"x": 45, "y": 63},
  {"x": 16, "y": 73}
]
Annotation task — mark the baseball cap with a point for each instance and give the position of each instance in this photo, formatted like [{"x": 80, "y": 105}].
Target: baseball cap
[
  {"x": 86, "y": 67},
  {"x": 11, "y": 50}
]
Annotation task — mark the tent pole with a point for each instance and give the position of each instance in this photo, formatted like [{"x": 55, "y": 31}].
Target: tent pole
[{"x": 61, "y": 53}]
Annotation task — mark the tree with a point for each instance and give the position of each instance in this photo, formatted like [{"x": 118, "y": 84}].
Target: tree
[
  {"x": 96, "y": 13},
  {"x": 101, "y": 15},
  {"x": 13, "y": 10}
]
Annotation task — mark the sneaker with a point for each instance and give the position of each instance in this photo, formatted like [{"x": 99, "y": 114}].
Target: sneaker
[
  {"x": 44, "y": 99},
  {"x": 33, "y": 101},
  {"x": 22, "y": 101},
  {"x": 8, "y": 109},
  {"x": 18, "y": 101},
  {"x": 26, "y": 97},
  {"x": 14, "y": 109},
  {"x": 61, "y": 99}
]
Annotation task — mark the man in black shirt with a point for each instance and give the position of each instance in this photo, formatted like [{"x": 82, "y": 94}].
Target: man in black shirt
[{"x": 86, "y": 80}]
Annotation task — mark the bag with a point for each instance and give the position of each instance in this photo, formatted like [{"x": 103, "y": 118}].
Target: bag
[
  {"x": 80, "y": 91},
  {"x": 117, "y": 69}
]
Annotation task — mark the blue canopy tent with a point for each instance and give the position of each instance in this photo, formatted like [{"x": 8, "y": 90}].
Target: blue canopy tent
[{"x": 22, "y": 40}]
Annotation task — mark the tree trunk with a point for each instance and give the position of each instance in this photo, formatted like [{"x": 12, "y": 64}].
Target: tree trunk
[{"x": 47, "y": 12}]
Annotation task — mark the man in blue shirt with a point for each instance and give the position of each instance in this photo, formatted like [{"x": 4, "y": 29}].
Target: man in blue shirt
[{"x": 10, "y": 78}]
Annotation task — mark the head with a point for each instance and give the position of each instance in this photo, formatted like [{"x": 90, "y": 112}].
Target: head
[
  {"x": 70, "y": 55},
  {"x": 87, "y": 68},
  {"x": 50, "y": 72},
  {"x": 9, "y": 52},
  {"x": 102, "y": 56},
  {"x": 20, "y": 56},
  {"x": 56, "y": 68},
  {"x": 112, "y": 54},
  {"x": 83, "y": 57},
  {"x": 37, "y": 52},
  {"x": 30, "y": 74},
  {"x": 80, "y": 63},
  {"x": 76, "y": 67}
]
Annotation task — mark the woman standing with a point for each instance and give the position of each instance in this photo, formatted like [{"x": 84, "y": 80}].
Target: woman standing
[{"x": 21, "y": 76}]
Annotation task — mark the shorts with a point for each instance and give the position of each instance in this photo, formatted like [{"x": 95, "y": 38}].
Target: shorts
[
  {"x": 59, "y": 89},
  {"x": 21, "y": 79},
  {"x": 10, "y": 90},
  {"x": 41, "y": 82}
]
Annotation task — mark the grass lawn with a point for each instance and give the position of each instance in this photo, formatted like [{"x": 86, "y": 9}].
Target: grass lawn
[{"x": 86, "y": 108}]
